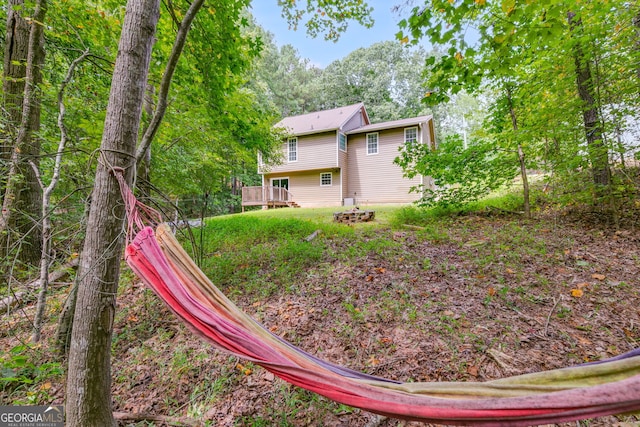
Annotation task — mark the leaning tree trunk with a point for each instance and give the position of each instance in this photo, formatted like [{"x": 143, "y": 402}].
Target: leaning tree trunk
[
  {"x": 22, "y": 201},
  {"x": 165, "y": 84},
  {"x": 143, "y": 152},
  {"x": 143, "y": 174},
  {"x": 88, "y": 400},
  {"x": 598, "y": 153}
]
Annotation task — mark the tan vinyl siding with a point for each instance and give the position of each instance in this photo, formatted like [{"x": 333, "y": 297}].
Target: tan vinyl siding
[
  {"x": 343, "y": 157},
  {"x": 306, "y": 190},
  {"x": 375, "y": 178},
  {"x": 314, "y": 152}
]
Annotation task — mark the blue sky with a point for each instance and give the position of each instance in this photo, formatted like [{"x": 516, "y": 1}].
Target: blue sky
[{"x": 320, "y": 52}]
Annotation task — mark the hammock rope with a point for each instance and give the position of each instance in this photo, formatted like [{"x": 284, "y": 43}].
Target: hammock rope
[{"x": 589, "y": 390}]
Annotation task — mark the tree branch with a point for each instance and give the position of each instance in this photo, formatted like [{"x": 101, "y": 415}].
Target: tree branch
[
  {"x": 137, "y": 417},
  {"x": 165, "y": 84}
]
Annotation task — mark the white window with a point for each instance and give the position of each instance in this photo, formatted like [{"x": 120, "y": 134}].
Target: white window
[
  {"x": 372, "y": 143},
  {"x": 342, "y": 141},
  {"x": 411, "y": 135},
  {"x": 325, "y": 179},
  {"x": 292, "y": 148}
]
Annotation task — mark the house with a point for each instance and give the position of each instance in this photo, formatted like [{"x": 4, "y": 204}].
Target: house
[{"x": 338, "y": 157}]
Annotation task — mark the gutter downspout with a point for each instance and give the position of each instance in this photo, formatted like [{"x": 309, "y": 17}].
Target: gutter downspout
[
  {"x": 420, "y": 125},
  {"x": 338, "y": 162}
]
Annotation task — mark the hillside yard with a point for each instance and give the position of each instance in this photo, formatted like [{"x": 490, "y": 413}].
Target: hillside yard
[{"x": 472, "y": 297}]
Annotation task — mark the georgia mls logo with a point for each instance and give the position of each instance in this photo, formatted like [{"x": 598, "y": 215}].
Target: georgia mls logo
[{"x": 32, "y": 416}]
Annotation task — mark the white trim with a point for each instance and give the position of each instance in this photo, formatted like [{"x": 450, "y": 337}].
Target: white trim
[
  {"x": 289, "y": 141},
  {"x": 330, "y": 179},
  {"x": 366, "y": 141}
]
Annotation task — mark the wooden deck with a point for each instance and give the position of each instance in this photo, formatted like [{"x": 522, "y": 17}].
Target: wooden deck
[{"x": 271, "y": 197}]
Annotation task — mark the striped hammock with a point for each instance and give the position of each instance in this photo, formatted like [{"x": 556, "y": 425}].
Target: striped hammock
[{"x": 603, "y": 388}]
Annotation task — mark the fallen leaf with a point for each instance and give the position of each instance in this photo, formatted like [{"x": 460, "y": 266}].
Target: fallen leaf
[
  {"x": 491, "y": 291},
  {"x": 577, "y": 293},
  {"x": 472, "y": 370},
  {"x": 373, "y": 361},
  {"x": 598, "y": 276}
]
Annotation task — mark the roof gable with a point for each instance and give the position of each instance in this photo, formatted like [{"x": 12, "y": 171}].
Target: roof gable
[{"x": 322, "y": 121}]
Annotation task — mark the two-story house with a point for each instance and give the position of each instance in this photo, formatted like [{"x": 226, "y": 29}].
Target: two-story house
[{"x": 337, "y": 157}]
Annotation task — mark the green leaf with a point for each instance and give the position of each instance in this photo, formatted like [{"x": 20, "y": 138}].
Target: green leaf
[{"x": 508, "y": 6}]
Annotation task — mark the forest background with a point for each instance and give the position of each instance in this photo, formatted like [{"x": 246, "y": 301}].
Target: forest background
[{"x": 550, "y": 87}]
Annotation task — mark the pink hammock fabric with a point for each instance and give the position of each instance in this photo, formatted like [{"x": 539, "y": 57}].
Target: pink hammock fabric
[{"x": 585, "y": 391}]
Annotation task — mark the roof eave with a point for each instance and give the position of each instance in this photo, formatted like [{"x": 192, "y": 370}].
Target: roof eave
[{"x": 389, "y": 125}]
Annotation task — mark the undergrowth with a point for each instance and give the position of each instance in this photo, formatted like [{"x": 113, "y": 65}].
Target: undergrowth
[{"x": 416, "y": 295}]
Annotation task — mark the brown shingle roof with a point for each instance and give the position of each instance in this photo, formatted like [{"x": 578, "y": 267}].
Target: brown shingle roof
[{"x": 320, "y": 121}]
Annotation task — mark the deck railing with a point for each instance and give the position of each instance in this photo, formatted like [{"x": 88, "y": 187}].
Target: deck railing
[{"x": 267, "y": 195}]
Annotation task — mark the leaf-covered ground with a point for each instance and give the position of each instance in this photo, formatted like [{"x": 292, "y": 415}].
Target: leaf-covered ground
[{"x": 471, "y": 298}]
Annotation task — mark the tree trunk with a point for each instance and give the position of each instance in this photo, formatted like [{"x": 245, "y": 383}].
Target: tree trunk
[
  {"x": 22, "y": 202},
  {"x": 16, "y": 48},
  {"x": 598, "y": 153},
  {"x": 65, "y": 322},
  {"x": 88, "y": 399},
  {"x": 521, "y": 159},
  {"x": 47, "y": 257}
]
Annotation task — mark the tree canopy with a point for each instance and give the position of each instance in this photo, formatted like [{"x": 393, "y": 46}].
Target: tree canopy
[{"x": 563, "y": 77}]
